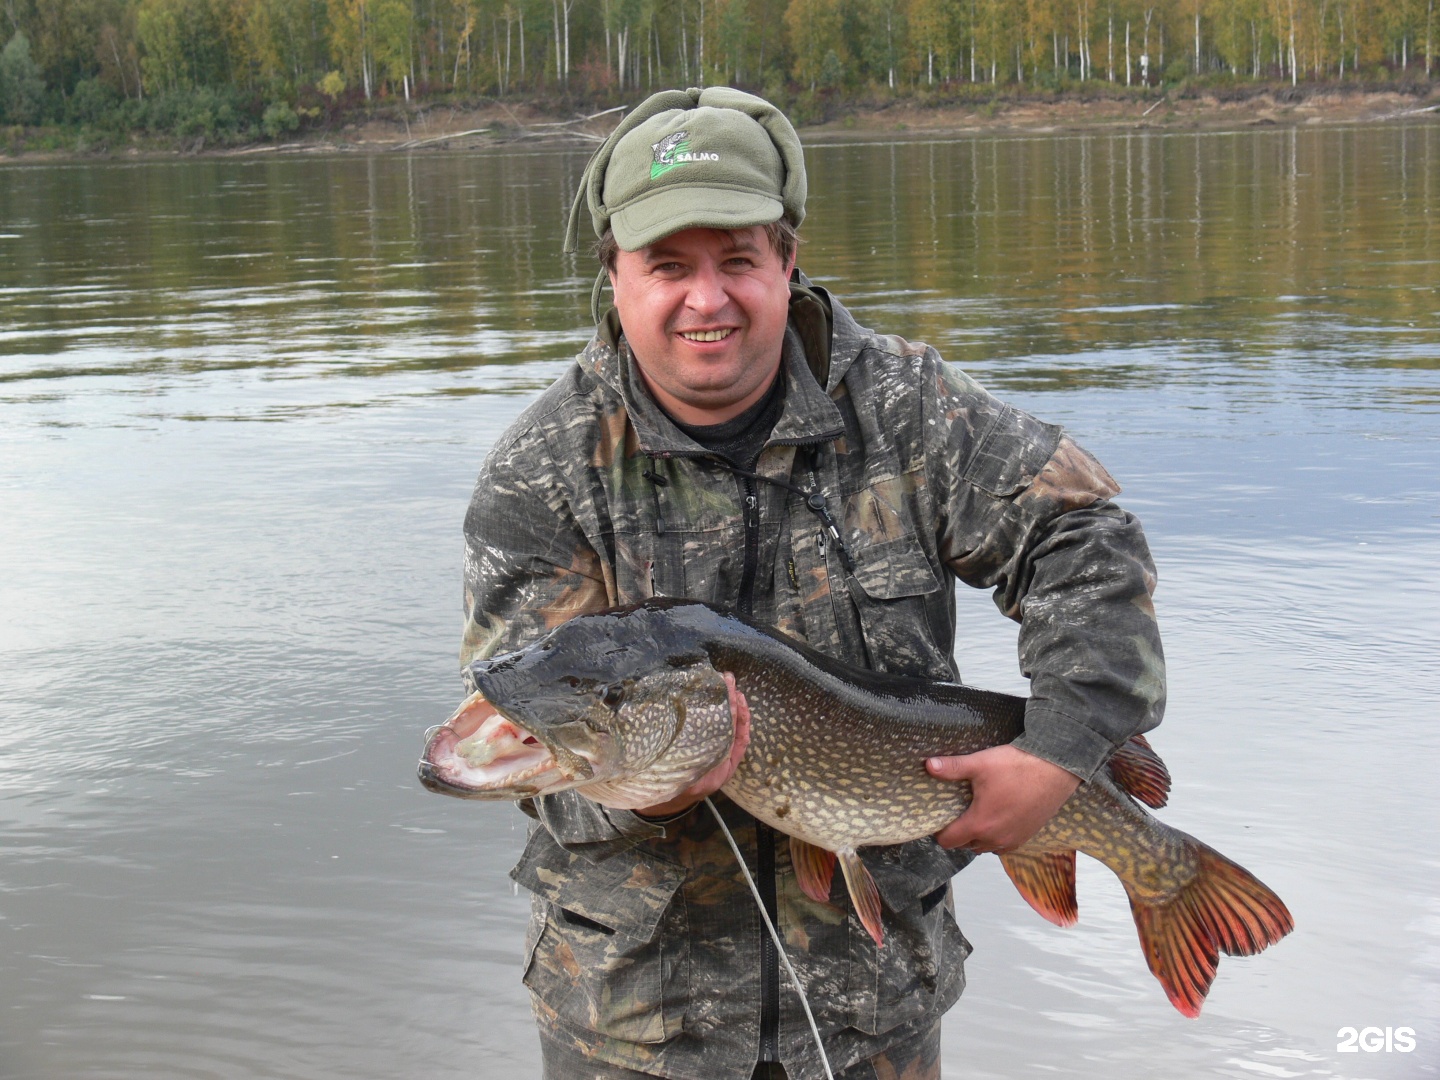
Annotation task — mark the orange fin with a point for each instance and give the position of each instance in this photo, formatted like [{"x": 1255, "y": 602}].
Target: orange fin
[
  {"x": 814, "y": 869},
  {"x": 863, "y": 894},
  {"x": 1138, "y": 770},
  {"x": 1225, "y": 908},
  {"x": 1047, "y": 882}
]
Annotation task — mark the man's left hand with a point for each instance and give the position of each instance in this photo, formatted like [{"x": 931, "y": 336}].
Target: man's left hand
[{"x": 1012, "y": 794}]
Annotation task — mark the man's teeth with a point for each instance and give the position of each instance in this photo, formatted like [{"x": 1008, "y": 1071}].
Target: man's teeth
[{"x": 704, "y": 335}]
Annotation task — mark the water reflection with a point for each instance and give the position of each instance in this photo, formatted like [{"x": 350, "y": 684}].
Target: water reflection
[{"x": 1249, "y": 247}]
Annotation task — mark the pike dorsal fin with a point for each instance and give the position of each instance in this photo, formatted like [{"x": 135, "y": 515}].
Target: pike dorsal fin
[
  {"x": 814, "y": 869},
  {"x": 863, "y": 894},
  {"x": 1047, "y": 882}
]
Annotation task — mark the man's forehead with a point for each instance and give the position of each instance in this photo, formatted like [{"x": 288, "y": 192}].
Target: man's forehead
[{"x": 726, "y": 240}]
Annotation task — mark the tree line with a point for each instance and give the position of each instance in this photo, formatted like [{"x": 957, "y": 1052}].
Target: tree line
[{"x": 155, "y": 62}]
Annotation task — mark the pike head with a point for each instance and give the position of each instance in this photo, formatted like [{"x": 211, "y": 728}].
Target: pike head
[{"x": 625, "y": 710}]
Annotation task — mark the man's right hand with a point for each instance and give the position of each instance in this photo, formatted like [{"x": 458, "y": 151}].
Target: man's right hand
[{"x": 716, "y": 778}]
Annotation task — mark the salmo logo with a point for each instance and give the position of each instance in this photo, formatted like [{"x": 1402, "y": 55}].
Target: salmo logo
[{"x": 673, "y": 151}]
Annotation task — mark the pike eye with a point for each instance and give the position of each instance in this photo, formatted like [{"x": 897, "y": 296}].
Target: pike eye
[{"x": 613, "y": 696}]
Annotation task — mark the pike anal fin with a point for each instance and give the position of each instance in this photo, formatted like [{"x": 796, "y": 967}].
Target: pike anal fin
[
  {"x": 1047, "y": 882},
  {"x": 1225, "y": 909},
  {"x": 1138, "y": 770},
  {"x": 863, "y": 894},
  {"x": 814, "y": 869}
]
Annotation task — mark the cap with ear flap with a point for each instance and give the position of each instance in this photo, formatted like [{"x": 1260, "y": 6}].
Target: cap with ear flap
[{"x": 712, "y": 158}]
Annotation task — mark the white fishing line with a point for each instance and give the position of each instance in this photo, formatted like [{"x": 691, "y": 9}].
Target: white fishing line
[{"x": 775, "y": 937}]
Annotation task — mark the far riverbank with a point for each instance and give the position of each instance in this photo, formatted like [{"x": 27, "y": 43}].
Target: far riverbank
[{"x": 468, "y": 126}]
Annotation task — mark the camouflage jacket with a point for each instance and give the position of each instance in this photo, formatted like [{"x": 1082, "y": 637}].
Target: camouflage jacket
[{"x": 645, "y": 947}]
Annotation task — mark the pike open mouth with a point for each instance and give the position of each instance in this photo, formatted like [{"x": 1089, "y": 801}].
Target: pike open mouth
[{"x": 481, "y": 754}]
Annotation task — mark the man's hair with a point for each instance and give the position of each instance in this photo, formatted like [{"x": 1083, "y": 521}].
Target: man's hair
[{"x": 784, "y": 240}]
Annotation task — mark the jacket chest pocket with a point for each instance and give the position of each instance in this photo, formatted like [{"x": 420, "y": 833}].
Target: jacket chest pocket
[
  {"x": 608, "y": 942},
  {"x": 902, "y": 609},
  {"x": 673, "y": 530}
]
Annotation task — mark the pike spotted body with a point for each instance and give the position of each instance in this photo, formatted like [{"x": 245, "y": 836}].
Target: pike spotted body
[{"x": 632, "y": 705}]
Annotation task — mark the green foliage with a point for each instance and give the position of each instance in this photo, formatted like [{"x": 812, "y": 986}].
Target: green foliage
[
  {"x": 90, "y": 103},
  {"x": 207, "y": 68},
  {"x": 332, "y": 85},
  {"x": 278, "y": 119},
  {"x": 22, "y": 90},
  {"x": 209, "y": 113},
  {"x": 184, "y": 43}
]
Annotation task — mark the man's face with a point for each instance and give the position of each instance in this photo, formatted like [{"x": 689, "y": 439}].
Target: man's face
[{"x": 704, "y": 311}]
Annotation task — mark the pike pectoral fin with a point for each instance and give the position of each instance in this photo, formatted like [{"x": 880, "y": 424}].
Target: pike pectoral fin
[
  {"x": 1138, "y": 770},
  {"x": 1047, "y": 882},
  {"x": 814, "y": 869},
  {"x": 1224, "y": 908},
  {"x": 863, "y": 894}
]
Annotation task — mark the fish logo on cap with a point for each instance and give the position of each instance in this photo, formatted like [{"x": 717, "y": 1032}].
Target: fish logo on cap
[{"x": 673, "y": 151}]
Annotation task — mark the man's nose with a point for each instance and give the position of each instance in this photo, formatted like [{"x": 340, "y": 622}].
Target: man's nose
[{"x": 707, "y": 293}]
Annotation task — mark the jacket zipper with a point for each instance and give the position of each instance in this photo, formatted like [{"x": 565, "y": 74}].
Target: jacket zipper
[
  {"x": 764, "y": 835},
  {"x": 769, "y": 959},
  {"x": 750, "y": 567}
]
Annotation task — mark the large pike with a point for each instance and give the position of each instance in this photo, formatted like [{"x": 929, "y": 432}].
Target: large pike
[{"x": 632, "y": 705}]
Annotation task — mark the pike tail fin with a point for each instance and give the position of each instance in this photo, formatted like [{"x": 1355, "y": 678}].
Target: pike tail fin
[
  {"x": 1047, "y": 882},
  {"x": 814, "y": 869},
  {"x": 1138, "y": 770},
  {"x": 1224, "y": 908},
  {"x": 863, "y": 894}
]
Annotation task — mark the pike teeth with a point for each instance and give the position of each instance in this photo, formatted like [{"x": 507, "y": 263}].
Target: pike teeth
[
  {"x": 491, "y": 740},
  {"x": 498, "y": 757},
  {"x": 705, "y": 335}
]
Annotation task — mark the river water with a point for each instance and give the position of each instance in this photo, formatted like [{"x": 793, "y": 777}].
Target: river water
[{"x": 242, "y": 403}]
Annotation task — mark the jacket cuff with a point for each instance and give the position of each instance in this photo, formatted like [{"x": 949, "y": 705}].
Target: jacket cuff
[
  {"x": 573, "y": 820},
  {"x": 1062, "y": 740},
  {"x": 629, "y": 823}
]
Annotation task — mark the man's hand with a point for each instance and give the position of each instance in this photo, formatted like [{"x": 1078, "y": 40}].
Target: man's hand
[
  {"x": 715, "y": 779},
  {"x": 1012, "y": 794}
]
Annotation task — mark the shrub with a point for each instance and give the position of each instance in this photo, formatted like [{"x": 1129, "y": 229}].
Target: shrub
[
  {"x": 279, "y": 118},
  {"x": 90, "y": 103},
  {"x": 210, "y": 113},
  {"x": 22, "y": 91},
  {"x": 332, "y": 85}
]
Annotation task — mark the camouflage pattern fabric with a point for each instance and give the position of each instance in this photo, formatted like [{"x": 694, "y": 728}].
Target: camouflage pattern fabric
[
  {"x": 644, "y": 949},
  {"x": 914, "y": 1058}
]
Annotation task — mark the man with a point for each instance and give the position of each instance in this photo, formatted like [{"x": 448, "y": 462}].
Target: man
[{"x": 732, "y": 435}]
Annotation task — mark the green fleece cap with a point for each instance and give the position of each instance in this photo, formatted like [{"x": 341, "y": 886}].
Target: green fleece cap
[{"x": 715, "y": 158}]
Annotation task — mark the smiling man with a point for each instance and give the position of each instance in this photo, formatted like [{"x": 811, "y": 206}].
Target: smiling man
[
  {"x": 709, "y": 308},
  {"x": 733, "y": 435}
]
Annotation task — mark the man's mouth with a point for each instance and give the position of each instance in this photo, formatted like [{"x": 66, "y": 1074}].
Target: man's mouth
[{"x": 707, "y": 335}]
